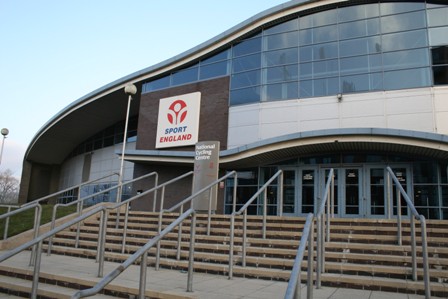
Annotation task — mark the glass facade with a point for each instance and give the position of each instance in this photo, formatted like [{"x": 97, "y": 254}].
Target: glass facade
[
  {"x": 367, "y": 47},
  {"x": 357, "y": 175}
]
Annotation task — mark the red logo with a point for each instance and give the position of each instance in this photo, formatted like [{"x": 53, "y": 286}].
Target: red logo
[{"x": 177, "y": 112}]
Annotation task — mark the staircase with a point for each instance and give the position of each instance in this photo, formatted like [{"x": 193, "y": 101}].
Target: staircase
[{"x": 362, "y": 253}]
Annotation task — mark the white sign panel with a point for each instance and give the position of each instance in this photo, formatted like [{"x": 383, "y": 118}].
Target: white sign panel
[{"x": 178, "y": 122}]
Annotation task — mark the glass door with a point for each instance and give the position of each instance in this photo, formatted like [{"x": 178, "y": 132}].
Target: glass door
[
  {"x": 403, "y": 175},
  {"x": 307, "y": 190},
  {"x": 376, "y": 192}
]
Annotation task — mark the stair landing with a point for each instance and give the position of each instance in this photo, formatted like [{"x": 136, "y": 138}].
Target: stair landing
[{"x": 171, "y": 283}]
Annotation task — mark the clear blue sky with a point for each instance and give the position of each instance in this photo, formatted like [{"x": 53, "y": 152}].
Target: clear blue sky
[{"x": 53, "y": 51}]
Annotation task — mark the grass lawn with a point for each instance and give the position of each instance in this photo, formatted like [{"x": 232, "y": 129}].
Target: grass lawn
[{"x": 25, "y": 220}]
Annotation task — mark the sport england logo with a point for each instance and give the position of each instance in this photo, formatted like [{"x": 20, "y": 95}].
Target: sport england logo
[{"x": 177, "y": 112}]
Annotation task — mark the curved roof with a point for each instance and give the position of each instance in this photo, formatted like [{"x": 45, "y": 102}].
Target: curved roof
[{"x": 93, "y": 113}]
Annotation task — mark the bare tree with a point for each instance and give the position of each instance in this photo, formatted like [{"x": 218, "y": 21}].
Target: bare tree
[{"x": 9, "y": 187}]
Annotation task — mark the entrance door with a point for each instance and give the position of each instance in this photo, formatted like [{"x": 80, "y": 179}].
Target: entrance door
[
  {"x": 378, "y": 205},
  {"x": 299, "y": 191},
  {"x": 347, "y": 191}
]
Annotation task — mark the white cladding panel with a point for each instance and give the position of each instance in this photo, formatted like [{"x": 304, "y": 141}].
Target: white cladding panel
[{"x": 424, "y": 109}]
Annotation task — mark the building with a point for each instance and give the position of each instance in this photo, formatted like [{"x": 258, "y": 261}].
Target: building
[{"x": 303, "y": 87}]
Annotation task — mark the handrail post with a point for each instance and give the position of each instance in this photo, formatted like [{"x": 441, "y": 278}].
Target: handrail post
[
  {"x": 37, "y": 260},
  {"x": 280, "y": 194},
  {"x": 332, "y": 196},
  {"x": 389, "y": 204},
  {"x": 265, "y": 210},
  {"x": 413, "y": 249},
  {"x": 179, "y": 235},
  {"x": 425, "y": 258},
  {"x": 399, "y": 236},
  {"x": 209, "y": 212},
  {"x": 5, "y": 233},
  {"x": 37, "y": 217},
  {"x": 319, "y": 252},
  {"x": 143, "y": 272},
  {"x": 235, "y": 184},
  {"x": 102, "y": 242},
  {"x": 79, "y": 207},
  {"x": 309, "y": 284},
  {"x": 191, "y": 254},
  {"x": 244, "y": 245},
  {"x": 231, "y": 241},
  {"x": 125, "y": 228},
  {"x": 156, "y": 182},
  {"x": 328, "y": 217}
]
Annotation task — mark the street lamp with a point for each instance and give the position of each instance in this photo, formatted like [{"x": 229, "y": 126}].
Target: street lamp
[
  {"x": 130, "y": 90},
  {"x": 4, "y": 132}
]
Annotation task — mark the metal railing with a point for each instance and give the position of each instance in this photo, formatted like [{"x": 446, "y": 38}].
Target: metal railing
[
  {"x": 293, "y": 290},
  {"x": 323, "y": 235},
  {"x": 143, "y": 254},
  {"x": 37, "y": 243},
  {"x": 80, "y": 205},
  {"x": 243, "y": 210},
  {"x": 415, "y": 215},
  {"x": 187, "y": 200},
  {"x": 33, "y": 204}
]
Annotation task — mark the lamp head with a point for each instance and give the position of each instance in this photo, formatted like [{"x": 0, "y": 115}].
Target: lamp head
[
  {"x": 5, "y": 132},
  {"x": 130, "y": 89}
]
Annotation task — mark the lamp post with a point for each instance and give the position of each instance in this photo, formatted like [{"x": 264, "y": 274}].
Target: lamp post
[
  {"x": 4, "y": 132},
  {"x": 130, "y": 89}
]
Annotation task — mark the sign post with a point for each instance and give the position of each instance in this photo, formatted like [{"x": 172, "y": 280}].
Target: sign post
[{"x": 206, "y": 166}]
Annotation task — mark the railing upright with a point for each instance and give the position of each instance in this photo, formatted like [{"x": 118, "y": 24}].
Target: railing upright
[
  {"x": 323, "y": 233},
  {"x": 293, "y": 289},
  {"x": 413, "y": 214},
  {"x": 243, "y": 210}
]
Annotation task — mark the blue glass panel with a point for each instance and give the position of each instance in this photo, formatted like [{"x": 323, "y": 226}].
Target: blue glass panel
[
  {"x": 217, "y": 57},
  {"x": 360, "y": 46},
  {"x": 213, "y": 70},
  {"x": 283, "y": 40},
  {"x": 249, "y": 62},
  {"x": 247, "y": 47},
  {"x": 375, "y": 62},
  {"x": 355, "y": 83},
  {"x": 246, "y": 79},
  {"x": 405, "y": 59},
  {"x": 306, "y": 89},
  {"x": 325, "y": 34},
  {"x": 325, "y": 87},
  {"x": 393, "y": 8},
  {"x": 412, "y": 78},
  {"x": 318, "y": 19},
  {"x": 438, "y": 36},
  {"x": 306, "y": 71},
  {"x": 305, "y": 37},
  {"x": 157, "y": 84},
  {"x": 358, "y": 12},
  {"x": 405, "y": 40},
  {"x": 280, "y": 57},
  {"x": 407, "y": 21},
  {"x": 282, "y": 73},
  {"x": 376, "y": 81},
  {"x": 326, "y": 68},
  {"x": 359, "y": 28},
  {"x": 438, "y": 17},
  {"x": 282, "y": 91},
  {"x": 354, "y": 65},
  {"x": 245, "y": 96},
  {"x": 325, "y": 51},
  {"x": 306, "y": 53},
  {"x": 283, "y": 27},
  {"x": 185, "y": 76}
]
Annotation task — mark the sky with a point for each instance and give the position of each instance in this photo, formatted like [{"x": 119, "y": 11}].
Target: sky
[{"x": 53, "y": 52}]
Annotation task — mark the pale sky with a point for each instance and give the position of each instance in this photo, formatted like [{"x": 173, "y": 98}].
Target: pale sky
[{"x": 53, "y": 52}]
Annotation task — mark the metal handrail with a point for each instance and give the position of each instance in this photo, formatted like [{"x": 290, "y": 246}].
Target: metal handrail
[
  {"x": 190, "y": 199},
  {"x": 415, "y": 215},
  {"x": 80, "y": 205},
  {"x": 293, "y": 289},
  {"x": 38, "y": 242},
  {"x": 26, "y": 206},
  {"x": 322, "y": 236},
  {"x": 243, "y": 210},
  {"x": 5, "y": 230},
  {"x": 143, "y": 252}
]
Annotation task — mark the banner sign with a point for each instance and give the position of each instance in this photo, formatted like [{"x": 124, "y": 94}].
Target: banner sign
[
  {"x": 206, "y": 166},
  {"x": 178, "y": 122}
]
